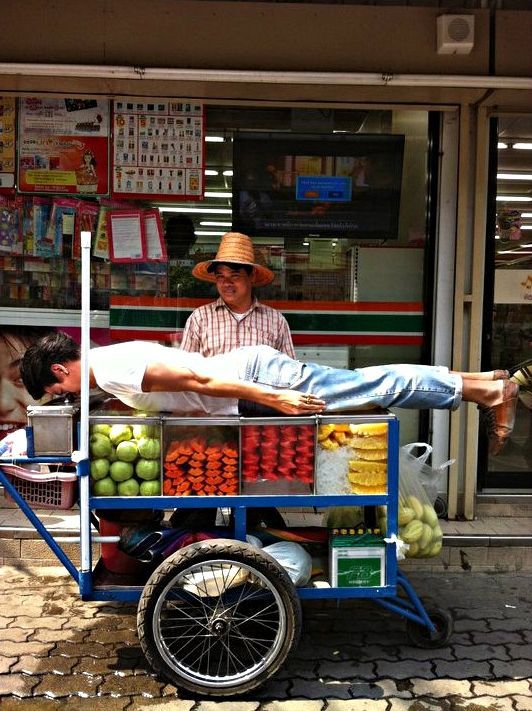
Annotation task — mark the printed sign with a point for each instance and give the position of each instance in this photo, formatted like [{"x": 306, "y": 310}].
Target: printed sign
[
  {"x": 7, "y": 143},
  {"x": 64, "y": 146},
  {"x": 513, "y": 286},
  {"x": 158, "y": 149}
]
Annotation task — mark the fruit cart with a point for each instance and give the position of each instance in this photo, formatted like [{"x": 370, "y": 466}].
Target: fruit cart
[{"x": 220, "y": 616}]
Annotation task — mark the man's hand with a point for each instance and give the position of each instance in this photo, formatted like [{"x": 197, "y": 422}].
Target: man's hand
[{"x": 291, "y": 402}]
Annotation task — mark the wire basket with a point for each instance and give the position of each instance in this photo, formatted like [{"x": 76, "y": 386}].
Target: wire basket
[{"x": 43, "y": 490}]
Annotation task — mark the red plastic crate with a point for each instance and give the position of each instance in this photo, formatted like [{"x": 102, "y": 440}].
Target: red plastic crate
[{"x": 43, "y": 490}]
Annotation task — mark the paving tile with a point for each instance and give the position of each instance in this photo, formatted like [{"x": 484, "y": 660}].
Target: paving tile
[
  {"x": 57, "y": 687},
  {"x": 142, "y": 684},
  {"x": 143, "y": 704},
  {"x": 462, "y": 669},
  {"x": 523, "y": 703},
  {"x": 501, "y": 688},
  {"x": 357, "y": 705},
  {"x": 20, "y": 685},
  {"x": 290, "y": 705},
  {"x": 40, "y": 704},
  {"x": 346, "y": 670},
  {"x": 489, "y": 703},
  {"x": 230, "y": 706},
  {"x": 404, "y": 669},
  {"x": 515, "y": 669},
  {"x": 441, "y": 688},
  {"x": 480, "y": 651},
  {"x": 15, "y": 649},
  {"x": 320, "y": 689},
  {"x": 43, "y": 665}
]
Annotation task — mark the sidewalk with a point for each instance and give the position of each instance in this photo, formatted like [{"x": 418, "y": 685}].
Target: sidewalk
[
  {"x": 60, "y": 653},
  {"x": 488, "y": 544}
]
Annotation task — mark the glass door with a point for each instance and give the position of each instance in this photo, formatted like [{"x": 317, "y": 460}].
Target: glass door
[{"x": 509, "y": 310}]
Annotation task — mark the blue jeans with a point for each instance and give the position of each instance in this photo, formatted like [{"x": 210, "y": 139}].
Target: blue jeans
[{"x": 419, "y": 387}]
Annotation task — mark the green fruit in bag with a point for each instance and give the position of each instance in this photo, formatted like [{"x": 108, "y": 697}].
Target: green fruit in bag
[
  {"x": 429, "y": 515},
  {"x": 414, "y": 503},
  {"x": 412, "y": 531},
  {"x": 426, "y": 536},
  {"x": 405, "y": 515}
]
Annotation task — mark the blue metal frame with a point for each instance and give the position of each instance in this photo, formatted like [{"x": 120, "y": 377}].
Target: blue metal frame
[{"x": 386, "y": 595}]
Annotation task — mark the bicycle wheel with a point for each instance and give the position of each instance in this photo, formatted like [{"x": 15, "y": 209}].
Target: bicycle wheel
[{"x": 218, "y": 618}]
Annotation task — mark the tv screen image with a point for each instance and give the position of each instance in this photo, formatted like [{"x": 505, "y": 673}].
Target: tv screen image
[{"x": 317, "y": 185}]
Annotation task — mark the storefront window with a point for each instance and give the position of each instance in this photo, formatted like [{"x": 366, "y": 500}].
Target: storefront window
[{"x": 511, "y": 333}]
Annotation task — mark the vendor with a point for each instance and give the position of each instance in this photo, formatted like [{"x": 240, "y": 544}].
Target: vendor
[
  {"x": 151, "y": 377},
  {"x": 236, "y": 318}
]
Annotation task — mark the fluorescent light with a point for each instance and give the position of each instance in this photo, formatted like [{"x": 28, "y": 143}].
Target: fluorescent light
[
  {"x": 306, "y": 244},
  {"x": 526, "y": 214},
  {"x": 218, "y": 195},
  {"x": 215, "y": 224},
  {"x": 515, "y": 252},
  {"x": 514, "y": 176},
  {"x": 210, "y": 172},
  {"x": 207, "y": 233},
  {"x": 523, "y": 146},
  {"x": 205, "y": 210},
  {"x": 526, "y": 227},
  {"x": 214, "y": 139},
  {"x": 500, "y": 144},
  {"x": 228, "y": 173},
  {"x": 513, "y": 198}
]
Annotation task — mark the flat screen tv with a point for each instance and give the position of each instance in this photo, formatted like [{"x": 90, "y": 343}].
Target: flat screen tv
[{"x": 317, "y": 185}]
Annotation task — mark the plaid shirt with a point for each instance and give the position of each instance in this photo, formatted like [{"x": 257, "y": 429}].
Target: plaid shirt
[{"x": 212, "y": 329}]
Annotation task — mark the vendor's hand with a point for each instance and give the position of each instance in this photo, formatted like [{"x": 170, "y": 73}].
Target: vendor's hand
[{"x": 291, "y": 402}]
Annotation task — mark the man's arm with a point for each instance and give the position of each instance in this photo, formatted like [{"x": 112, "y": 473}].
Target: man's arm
[{"x": 160, "y": 377}]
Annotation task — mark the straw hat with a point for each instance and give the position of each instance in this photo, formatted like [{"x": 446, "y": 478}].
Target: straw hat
[{"x": 235, "y": 248}]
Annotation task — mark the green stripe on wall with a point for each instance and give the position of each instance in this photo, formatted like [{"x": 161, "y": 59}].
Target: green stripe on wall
[{"x": 300, "y": 322}]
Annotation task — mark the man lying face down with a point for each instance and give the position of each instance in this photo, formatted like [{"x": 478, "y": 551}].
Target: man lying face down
[{"x": 148, "y": 376}]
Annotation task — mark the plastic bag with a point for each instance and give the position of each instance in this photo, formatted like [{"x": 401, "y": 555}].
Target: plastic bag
[
  {"x": 418, "y": 524},
  {"x": 427, "y": 475},
  {"x": 294, "y": 558}
]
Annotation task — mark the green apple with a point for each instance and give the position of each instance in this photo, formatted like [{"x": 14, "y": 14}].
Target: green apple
[
  {"x": 130, "y": 487},
  {"x": 144, "y": 431},
  {"x": 100, "y": 445},
  {"x": 112, "y": 457},
  {"x": 120, "y": 471},
  {"x": 120, "y": 433},
  {"x": 150, "y": 488},
  {"x": 99, "y": 468},
  {"x": 149, "y": 447},
  {"x": 104, "y": 487},
  {"x": 147, "y": 469},
  {"x": 127, "y": 450},
  {"x": 101, "y": 429}
]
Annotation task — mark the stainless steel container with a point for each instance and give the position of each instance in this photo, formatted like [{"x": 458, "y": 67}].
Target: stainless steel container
[{"x": 54, "y": 429}]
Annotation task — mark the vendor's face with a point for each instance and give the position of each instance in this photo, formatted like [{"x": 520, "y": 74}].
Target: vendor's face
[
  {"x": 68, "y": 379},
  {"x": 234, "y": 286},
  {"x": 14, "y": 398}
]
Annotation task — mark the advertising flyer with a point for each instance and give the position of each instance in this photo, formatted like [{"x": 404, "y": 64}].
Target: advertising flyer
[
  {"x": 7, "y": 143},
  {"x": 158, "y": 149},
  {"x": 63, "y": 146}
]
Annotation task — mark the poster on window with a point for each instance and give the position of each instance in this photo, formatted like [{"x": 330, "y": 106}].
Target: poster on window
[
  {"x": 63, "y": 146},
  {"x": 158, "y": 149},
  {"x": 7, "y": 144}
]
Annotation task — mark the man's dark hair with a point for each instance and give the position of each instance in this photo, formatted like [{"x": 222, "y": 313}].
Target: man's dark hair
[
  {"x": 36, "y": 365},
  {"x": 235, "y": 266}
]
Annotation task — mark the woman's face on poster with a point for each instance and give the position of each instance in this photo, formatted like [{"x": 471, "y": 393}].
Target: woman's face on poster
[{"x": 14, "y": 397}]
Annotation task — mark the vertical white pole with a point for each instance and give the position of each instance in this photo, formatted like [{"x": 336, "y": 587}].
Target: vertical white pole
[{"x": 84, "y": 481}]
